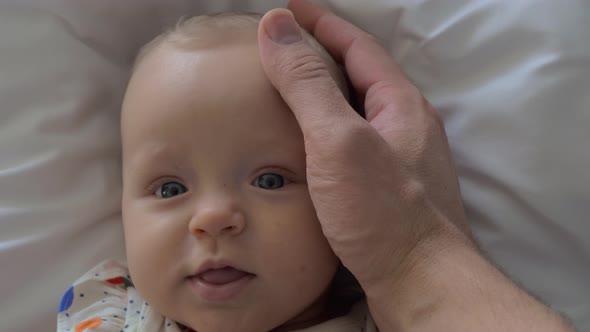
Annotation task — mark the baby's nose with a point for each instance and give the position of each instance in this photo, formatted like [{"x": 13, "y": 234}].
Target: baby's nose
[{"x": 217, "y": 221}]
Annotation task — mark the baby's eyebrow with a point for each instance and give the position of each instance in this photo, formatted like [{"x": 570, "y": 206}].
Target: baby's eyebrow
[{"x": 151, "y": 153}]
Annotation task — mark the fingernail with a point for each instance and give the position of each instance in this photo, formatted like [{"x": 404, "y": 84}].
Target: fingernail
[{"x": 282, "y": 28}]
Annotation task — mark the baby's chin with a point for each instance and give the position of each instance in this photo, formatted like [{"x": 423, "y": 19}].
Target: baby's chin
[
  {"x": 248, "y": 322},
  {"x": 223, "y": 323}
]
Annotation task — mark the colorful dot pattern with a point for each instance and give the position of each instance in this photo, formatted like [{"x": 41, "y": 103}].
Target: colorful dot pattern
[{"x": 104, "y": 299}]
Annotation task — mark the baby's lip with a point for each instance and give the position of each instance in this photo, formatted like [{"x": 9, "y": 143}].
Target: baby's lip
[
  {"x": 213, "y": 266},
  {"x": 219, "y": 281},
  {"x": 222, "y": 276}
]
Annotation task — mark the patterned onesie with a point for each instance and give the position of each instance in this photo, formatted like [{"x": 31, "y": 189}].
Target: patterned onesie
[{"x": 105, "y": 300}]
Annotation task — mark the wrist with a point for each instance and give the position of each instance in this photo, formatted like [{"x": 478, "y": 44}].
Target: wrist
[
  {"x": 441, "y": 250},
  {"x": 419, "y": 285},
  {"x": 445, "y": 284}
]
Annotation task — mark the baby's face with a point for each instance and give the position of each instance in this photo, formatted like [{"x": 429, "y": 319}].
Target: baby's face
[{"x": 220, "y": 230}]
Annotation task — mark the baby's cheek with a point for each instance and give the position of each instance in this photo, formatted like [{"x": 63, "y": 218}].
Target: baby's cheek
[
  {"x": 150, "y": 272},
  {"x": 137, "y": 245},
  {"x": 140, "y": 267},
  {"x": 146, "y": 251}
]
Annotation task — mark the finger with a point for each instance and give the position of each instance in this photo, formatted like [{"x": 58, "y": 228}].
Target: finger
[
  {"x": 367, "y": 63},
  {"x": 300, "y": 75},
  {"x": 341, "y": 38}
]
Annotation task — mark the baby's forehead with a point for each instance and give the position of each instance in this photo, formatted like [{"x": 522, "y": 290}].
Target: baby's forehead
[
  {"x": 207, "y": 67},
  {"x": 208, "y": 93},
  {"x": 206, "y": 31},
  {"x": 218, "y": 30}
]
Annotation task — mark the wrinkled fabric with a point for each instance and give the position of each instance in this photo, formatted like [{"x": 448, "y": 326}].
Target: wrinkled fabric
[{"x": 510, "y": 78}]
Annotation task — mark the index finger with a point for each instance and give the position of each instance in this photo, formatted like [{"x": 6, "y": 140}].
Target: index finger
[{"x": 366, "y": 61}]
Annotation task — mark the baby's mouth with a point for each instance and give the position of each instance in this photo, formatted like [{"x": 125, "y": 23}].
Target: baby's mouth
[
  {"x": 221, "y": 283},
  {"x": 222, "y": 276}
]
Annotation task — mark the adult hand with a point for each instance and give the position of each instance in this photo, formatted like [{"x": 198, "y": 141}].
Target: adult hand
[
  {"x": 383, "y": 185},
  {"x": 384, "y": 188}
]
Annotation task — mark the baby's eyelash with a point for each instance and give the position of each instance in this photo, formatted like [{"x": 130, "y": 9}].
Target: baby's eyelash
[
  {"x": 287, "y": 174},
  {"x": 151, "y": 189}
]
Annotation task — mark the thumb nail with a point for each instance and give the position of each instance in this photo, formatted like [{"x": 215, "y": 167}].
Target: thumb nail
[{"x": 282, "y": 28}]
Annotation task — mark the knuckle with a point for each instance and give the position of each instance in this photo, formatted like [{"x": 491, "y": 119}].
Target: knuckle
[
  {"x": 371, "y": 36},
  {"x": 300, "y": 66},
  {"x": 354, "y": 137},
  {"x": 384, "y": 94},
  {"x": 409, "y": 100},
  {"x": 413, "y": 192},
  {"x": 339, "y": 139},
  {"x": 412, "y": 97},
  {"x": 434, "y": 122},
  {"x": 434, "y": 114}
]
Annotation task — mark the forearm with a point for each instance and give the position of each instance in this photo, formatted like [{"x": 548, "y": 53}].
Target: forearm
[{"x": 453, "y": 288}]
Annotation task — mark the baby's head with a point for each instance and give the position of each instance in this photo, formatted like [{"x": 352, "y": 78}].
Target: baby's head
[{"x": 220, "y": 230}]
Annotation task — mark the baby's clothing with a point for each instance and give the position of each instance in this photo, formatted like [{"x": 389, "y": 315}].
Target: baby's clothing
[{"x": 105, "y": 300}]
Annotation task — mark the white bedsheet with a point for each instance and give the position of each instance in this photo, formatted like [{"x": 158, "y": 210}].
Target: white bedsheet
[{"x": 511, "y": 78}]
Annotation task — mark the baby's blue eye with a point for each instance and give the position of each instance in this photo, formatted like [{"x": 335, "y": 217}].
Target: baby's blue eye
[
  {"x": 270, "y": 181},
  {"x": 170, "y": 189}
]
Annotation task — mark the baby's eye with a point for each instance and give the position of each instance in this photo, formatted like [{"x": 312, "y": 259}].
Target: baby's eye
[
  {"x": 170, "y": 189},
  {"x": 270, "y": 181}
]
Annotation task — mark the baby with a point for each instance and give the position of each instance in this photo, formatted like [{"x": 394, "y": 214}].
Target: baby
[{"x": 220, "y": 230}]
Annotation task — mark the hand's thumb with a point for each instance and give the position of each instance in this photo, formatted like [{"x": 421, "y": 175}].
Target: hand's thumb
[{"x": 299, "y": 73}]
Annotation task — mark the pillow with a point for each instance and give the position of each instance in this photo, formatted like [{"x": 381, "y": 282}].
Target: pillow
[{"x": 510, "y": 78}]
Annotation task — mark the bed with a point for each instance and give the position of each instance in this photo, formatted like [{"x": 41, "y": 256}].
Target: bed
[{"x": 511, "y": 79}]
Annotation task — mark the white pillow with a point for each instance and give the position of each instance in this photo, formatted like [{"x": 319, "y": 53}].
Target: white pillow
[{"x": 511, "y": 79}]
